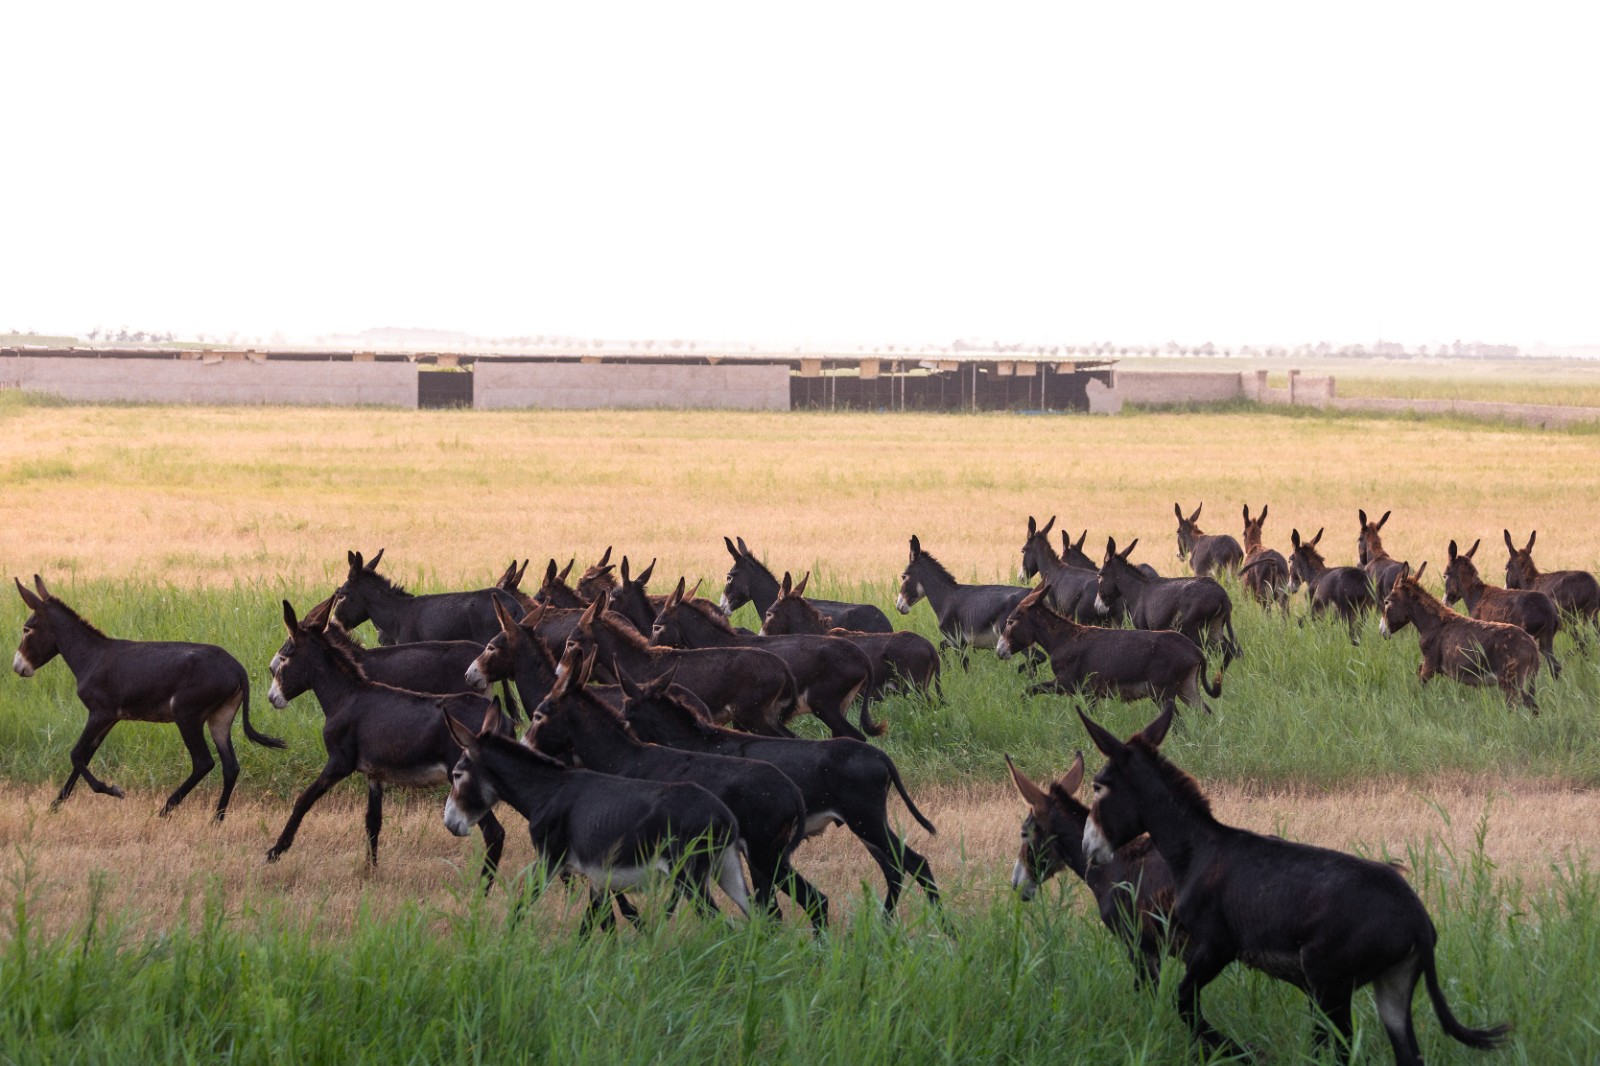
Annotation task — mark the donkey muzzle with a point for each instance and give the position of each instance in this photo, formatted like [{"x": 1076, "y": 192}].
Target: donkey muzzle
[
  {"x": 276, "y": 697},
  {"x": 1096, "y": 848},
  {"x": 21, "y": 665},
  {"x": 475, "y": 679},
  {"x": 1021, "y": 882},
  {"x": 1100, "y": 605}
]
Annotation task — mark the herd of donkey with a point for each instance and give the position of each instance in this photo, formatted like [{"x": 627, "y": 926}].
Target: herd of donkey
[{"x": 629, "y": 768}]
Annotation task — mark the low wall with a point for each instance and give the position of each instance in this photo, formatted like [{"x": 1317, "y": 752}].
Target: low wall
[
  {"x": 224, "y": 381},
  {"x": 1176, "y": 386},
  {"x": 1532, "y": 414},
  {"x": 596, "y": 385}
]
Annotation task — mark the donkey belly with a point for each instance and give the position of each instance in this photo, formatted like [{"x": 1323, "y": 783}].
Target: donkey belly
[
  {"x": 428, "y": 775},
  {"x": 621, "y": 876}
]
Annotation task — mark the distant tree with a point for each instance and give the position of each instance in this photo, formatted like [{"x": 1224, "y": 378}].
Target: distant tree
[{"x": 94, "y": 333}]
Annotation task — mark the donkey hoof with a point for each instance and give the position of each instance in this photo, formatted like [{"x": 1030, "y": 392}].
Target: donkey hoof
[
  {"x": 274, "y": 854},
  {"x": 166, "y": 809},
  {"x": 114, "y": 792}
]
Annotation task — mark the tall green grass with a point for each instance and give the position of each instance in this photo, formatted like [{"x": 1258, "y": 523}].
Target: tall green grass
[
  {"x": 1302, "y": 707},
  {"x": 461, "y": 981}
]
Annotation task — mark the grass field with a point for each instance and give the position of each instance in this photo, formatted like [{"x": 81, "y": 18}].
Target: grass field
[{"x": 193, "y": 523}]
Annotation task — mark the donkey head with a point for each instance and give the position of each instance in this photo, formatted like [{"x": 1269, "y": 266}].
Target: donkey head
[
  {"x": 498, "y": 660},
  {"x": 910, "y": 590},
  {"x": 1520, "y": 571},
  {"x": 1460, "y": 573},
  {"x": 350, "y": 607},
  {"x": 303, "y": 655},
  {"x": 790, "y": 613},
  {"x": 1036, "y": 549},
  {"x": 1252, "y": 529},
  {"x": 471, "y": 794},
  {"x": 38, "y": 645},
  {"x": 554, "y": 723},
  {"x": 319, "y": 617},
  {"x": 1052, "y": 831},
  {"x": 740, "y": 586},
  {"x": 599, "y": 576},
  {"x": 1188, "y": 530},
  {"x": 1073, "y": 554},
  {"x": 1115, "y": 573},
  {"x": 1133, "y": 780},
  {"x": 555, "y": 591},
  {"x": 1024, "y": 627},
  {"x": 586, "y": 634},
  {"x": 676, "y": 623},
  {"x": 1305, "y": 562},
  {"x": 631, "y": 600},
  {"x": 1405, "y": 601},
  {"x": 1368, "y": 543}
]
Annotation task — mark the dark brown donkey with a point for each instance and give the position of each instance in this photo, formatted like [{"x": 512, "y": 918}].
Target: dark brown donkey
[
  {"x": 844, "y": 782},
  {"x": 749, "y": 581},
  {"x": 1323, "y": 921},
  {"x": 901, "y": 661},
  {"x": 1380, "y": 566},
  {"x": 1072, "y": 583},
  {"x": 601, "y": 577},
  {"x": 1576, "y": 592},
  {"x": 1265, "y": 571},
  {"x": 829, "y": 672},
  {"x": 1129, "y": 664},
  {"x": 197, "y": 687},
  {"x": 572, "y": 723},
  {"x": 1530, "y": 611},
  {"x": 402, "y": 618},
  {"x": 1345, "y": 590},
  {"x": 968, "y": 614},
  {"x": 1197, "y": 607},
  {"x": 555, "y": 591},
  {"x": 1134, "y": 890},
  {"x": 1207, "y": 553},
  {"x": 751, "y": 687},
  {"x": 392, "y": 736},
  {"x": 1461, "y": 648}
]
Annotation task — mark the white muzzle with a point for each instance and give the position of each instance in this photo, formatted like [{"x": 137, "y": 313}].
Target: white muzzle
[
  {"x": 1021, "y": 882},
  {"x": 1100, "y": 606},
  {"x": 1383, "y": 626},
  {"x": 454, "y": 820},
  {"x": 1095, "y": 846},
  {"x": 1002, "y": 650},
  {"x": 276, "y": 697},
  {"x": 475, "y": 679}
]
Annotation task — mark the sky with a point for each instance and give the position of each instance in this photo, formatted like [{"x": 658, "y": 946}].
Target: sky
[{"x": 822, "y": 173}]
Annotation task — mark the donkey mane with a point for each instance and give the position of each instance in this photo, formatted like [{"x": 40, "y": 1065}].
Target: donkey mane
[
  {"x": 1047, "y": 549},
  {"x": 1311, "y": 555},
  {"x": 623, "y": 630},
  {"x": 343, "y": 659},
  {"x": 392, "y": 586},
  {"x": 51, "y": 601},
  {"x": 596, "y": 706},
  {"x": 938, "y": 567},
  {"x": 1427, "y": 600},
  {"x": 1186, "y": 788},
  {"x": 759, "y": 566},
  {"x": 805, "y": 606},
  {"x": 509, "y": 744},
  {"x": 687, "y": 715},
  {"x": 707, "y": 611}
]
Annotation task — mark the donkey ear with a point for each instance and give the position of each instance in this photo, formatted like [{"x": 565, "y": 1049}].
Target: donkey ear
[
  {"x": 587, "y": 670},
  {"x": 644, "y": 575},
  {"x": 1452, "y": 551},
  {"x": 521, "y": 570},
  {"x": 625, "y": 579},
  {"x": 676, "y": 596},
  {"x": 550, "y": 572},
  {"x": 565, "y": 570},
  {"x": 320, "y": 615},
  {"x": 1033, "y": 597},
  {"x": 44, "y": 591},
  {"x": 465, "y": 738},
  {"x": 531, "y": 619},
  {"x": 1111, "y": 548},
  {"x": 1262, "y": 517},
  {"x": 568, "y": 669},
  {"x": 1247, "y": 514},
  {"x": 1032, "y": 794},
  {"x": 354, "y": 559},
  {"x": 1361, "y": 513},
  {"x": 1474, "y": 548},
  {"x": 587, "y": 618},
  {"x": 508, "y": 625},
  {"x": 1129, "y": 549},
  {"x": 1405, "y": 570},
  {"x": 1072, "y": 780},
  {"x": 606, "y": 558},
  {"x": 1177, "y": 511},
  {"x": 1103, "y": 738},
  {"x": 630, "y": 687},
  {"x": 916, "y": 546},
  {"x": 1083, "y": 537},
  {"x": 1196, "y": 516},
  {"x": 289, "y": 619},
  {"x": 800, "y": 589},
  {"x": 1382, "y": 520},
  {"x": 373, "y": 565},
  {"x": 1156, "y": 731},
  {"x": 493, "y": 723},
  {"x": 1510, "y": 547},
  {"x": 1318, "y": 537},
  {"x": 1532, "y": 536},
  {"x": 784, "y": 585},
  {"x": 1033, "y": 527},
  {"x": 742, "y": 549},
  {"x": 731, "y": 549},
  {"x": 1048, "y": 526},
  {"x": 1420, "y": 569},
  {"x": 33, "y": 602},
  {"x": 696, "y": 590},
  {"x": 1294, "y": 537}
]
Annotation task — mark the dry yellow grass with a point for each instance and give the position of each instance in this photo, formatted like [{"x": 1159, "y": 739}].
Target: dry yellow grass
[
  {"x": 211, "y": 496},
  {"x": 150, "y": 865}
]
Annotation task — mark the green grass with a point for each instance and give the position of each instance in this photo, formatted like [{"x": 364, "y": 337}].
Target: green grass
[{"x": 463, "y": 982}]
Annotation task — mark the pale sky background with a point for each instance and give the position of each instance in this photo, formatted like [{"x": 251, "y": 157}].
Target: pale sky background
[{"x": 812, "y": 173}]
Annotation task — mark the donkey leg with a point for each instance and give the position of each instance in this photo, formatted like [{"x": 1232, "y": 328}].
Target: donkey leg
[
  {"x": 598, "y": 914},
  {"x": 1332, "y": 1002},
  {"x": 1203, "y": 967},
  {"x": 807, "y": 895},
  {"x": 494, "y": 845},
  {"x": 194, "y": 738},
  {"x": 374, "y": 819},
  {"x": 831, "y": 714},
  {"x": 331, "y": 775},
  {"x": 221, "y": 726},
  {"x": 1393, "y": 990},
  {"x": 94, "y": 732}
]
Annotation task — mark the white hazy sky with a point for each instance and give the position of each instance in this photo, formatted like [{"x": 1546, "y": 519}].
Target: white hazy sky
[{"x": 815, "y": 173}]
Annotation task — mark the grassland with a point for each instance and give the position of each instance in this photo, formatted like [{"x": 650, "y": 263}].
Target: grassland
[{"x": 193, "y": 523}]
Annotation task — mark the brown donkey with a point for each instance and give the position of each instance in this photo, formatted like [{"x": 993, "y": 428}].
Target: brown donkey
[
  {"x": 1265, "y": 571},
  {"x": 1207, "y": 554},
  {"x": 1576, "y": 592},
  {"x": 1381, "y": 567},
  {"x": 1462, "y": 648},
  {"x": 1532, "y": 612}
]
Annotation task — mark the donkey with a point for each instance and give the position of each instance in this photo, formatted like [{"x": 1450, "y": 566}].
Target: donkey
[
  {"x": 829, "y": 672},
  {"x": 900, "y": 661},
  {"x": 967, "y": 614},
  {"x": 1126, "y": 663},
  {"x": 572, "y": 723},
  {"x": 749, "y": 581},
  {"x": 555, "y": 591},
  {"x": 631, "y": 601},
  {"x": 1345, "y": 590},
  {"x": 1379, "y": 565},
  {"x": 1324, "y": 921},
  {"x": 601, "y": 577},
  {"x": 753, "y": 688},
  {"x": 1576, "y": 592},
  {"x": 613, "y": 832},
  {"x": 1197, "y": 607},
  {"x": 1529, "y": 610},
  {"x": 1207, "y": 553},
  {"x": 1465, "y": 649},
  {"x": 1134, "y": 891},
  {"x": 197, "y": 687},
  {"x": 392, "y": 736},
  {"x": 1265, "y": 571},
  {"x": 402, "y": 618},
  {"x": 843, "y": 781},
  {"x": 1071, "y": 583}
]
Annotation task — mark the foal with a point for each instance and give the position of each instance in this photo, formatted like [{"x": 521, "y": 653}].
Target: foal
[
  {"x": 1323, "y": 921},
  {"x": 1265, "y": 571},
  {"x": 1530, "y": 611},
  {"x": 1465, "y": 649},
  {"x": 197, "y": 687},
  {"x": 1576, "y": 592},
  {"x": 1207, "y": 553},
  {"x": 1345, "y": 590},
  {"x": 1379, "y": 565}
]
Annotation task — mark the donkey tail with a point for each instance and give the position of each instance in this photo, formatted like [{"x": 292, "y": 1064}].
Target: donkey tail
[
  {"x": 900, "y": 787},
  {"x": 1213, "y": 688},
  {"x": 250, "y": 730},
  {"x": 1230, "y": 647},
  {"x": 1481, "y": 1039},
  {"x": 868, "y": 726}
]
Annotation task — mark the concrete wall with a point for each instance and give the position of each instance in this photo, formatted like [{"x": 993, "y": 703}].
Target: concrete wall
[
  {"x": 594, "y": 385},
  {"x": 1532, "y": 414},
  {"x": 1170, "y": 386},
  {"x": 239, "y": 381}
]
